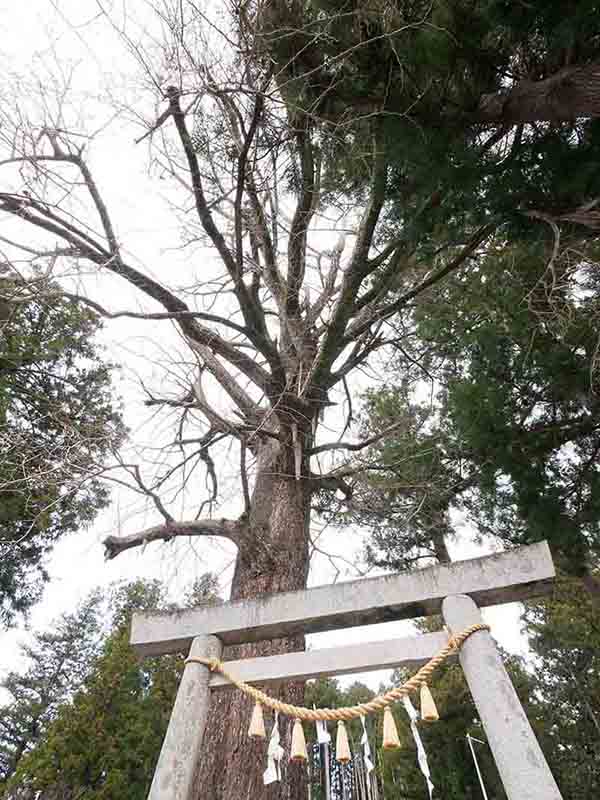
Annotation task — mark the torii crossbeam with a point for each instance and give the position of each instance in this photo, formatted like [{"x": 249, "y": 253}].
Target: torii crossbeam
[{"x": 456, "y": 590}]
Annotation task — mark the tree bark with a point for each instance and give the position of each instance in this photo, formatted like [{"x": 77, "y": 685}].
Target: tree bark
[
  {"x": 273, "y": 557},
  {"x": 571, "y": 93},
  {"x": 439, "y": 545}
]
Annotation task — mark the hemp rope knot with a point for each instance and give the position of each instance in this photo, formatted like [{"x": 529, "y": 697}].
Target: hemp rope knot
[{"x": 346, "y": 713}]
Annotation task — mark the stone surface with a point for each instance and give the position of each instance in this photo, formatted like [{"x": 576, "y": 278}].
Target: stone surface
[
  {"x": 500, "y": 578},
  {"x": 178, "y": 760},
  {"x": 364, "y": 657},
  {"x": 518, "y": 756}
]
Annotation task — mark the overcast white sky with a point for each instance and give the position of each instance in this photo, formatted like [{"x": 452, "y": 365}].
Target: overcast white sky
[{"x": 32, "y": 35}]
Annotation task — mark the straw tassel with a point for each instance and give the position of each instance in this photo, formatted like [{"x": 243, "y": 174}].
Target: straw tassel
[
  {"x": 342, "y": 748},
  {"x": 391, "y": 740},
  {"x": 298, "y": 752},
  {"x": 429, "y": 712},
  {"x": 257, "y": 723}
]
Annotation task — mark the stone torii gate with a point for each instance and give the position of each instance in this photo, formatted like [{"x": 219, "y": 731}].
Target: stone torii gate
[{"x": 456, "y": 590}]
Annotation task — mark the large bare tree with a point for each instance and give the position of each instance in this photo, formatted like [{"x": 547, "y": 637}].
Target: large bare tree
[{"x": 303, "y": 276}]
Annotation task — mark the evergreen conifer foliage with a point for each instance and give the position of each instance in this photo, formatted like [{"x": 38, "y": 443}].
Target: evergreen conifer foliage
[
  {"x": 58, "y": 425},
  {"x": 59, "y": 661},
  {"x": 488, "y": 107},
  {"x": 88, "y": 717},
  {"x": 565, "y": 637},
  {"x": 497, "y": 412}
]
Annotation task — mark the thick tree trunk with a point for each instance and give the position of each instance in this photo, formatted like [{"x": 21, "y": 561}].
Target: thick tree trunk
[
  {"x": 571, "y": 93},
  {"x": 273, "y": 557}
]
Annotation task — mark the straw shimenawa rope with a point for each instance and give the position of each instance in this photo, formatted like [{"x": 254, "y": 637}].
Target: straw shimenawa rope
[{"x": 349, "y": 712}]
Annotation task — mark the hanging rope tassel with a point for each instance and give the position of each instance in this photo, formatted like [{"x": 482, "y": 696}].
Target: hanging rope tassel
[
  {"x": 299, "y": 752},
  {"x": 342, "y": 747},
  {"x": 429, "y": 712},
  {"x": 391, "y": 740},
  {"x": 257, "y": 723}
]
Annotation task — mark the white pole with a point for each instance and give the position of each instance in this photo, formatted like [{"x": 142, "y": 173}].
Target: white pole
[
  {"x": 483, "y": 791},
  {"x": 178, "y": 759},
  {"x": 518, "y": 756}
]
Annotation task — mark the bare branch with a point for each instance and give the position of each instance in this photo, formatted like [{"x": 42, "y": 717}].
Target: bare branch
[
  {"x": 385, "y": 281},
  {"x": 161, "y": 121},
  {"x": 215, "y": 419},
  {"x": 260, "y": 235},
  {"x": 356, "y": 445},
  {"x": 387, "y": 310},
  {"x": 242, "y": 399},
  {"x": 253, "y": 314},
  {"x": 206, "y": 457},
  {"x": 244, "y": 476},
  {"x": 98, "y": 203},
  {"x": 158, "y": 503},
  {"x": 368, "y": 343},
  {"x": 350, "y": 415},
  {"x": 305, "y": 209},
  {"x": 144, "y": 315},
  {"x": 202, "y": 209},
  {"x": 22, "y": 205},
  {"x": 242, "y": 179},
  {"x": 334, "y": 483},
  {"x": 358, "y": 269},
  {"x": 228, "y": 529},
  {"x": 556, "y": 233}
]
